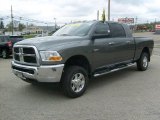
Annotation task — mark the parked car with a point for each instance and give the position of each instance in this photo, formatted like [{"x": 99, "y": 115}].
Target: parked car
[
  {"x": 6, "y": 44},
  {"x": 77, "y": 52}
]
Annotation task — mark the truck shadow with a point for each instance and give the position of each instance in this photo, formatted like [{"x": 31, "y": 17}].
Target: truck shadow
[
  {"x": 105, "y": 80},
  {"x": 49, "y": 91},
  {"x": 54, "y": 91}
]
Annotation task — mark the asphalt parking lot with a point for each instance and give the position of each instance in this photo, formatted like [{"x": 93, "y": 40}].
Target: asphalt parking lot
[{"x": 124, "y": 95}]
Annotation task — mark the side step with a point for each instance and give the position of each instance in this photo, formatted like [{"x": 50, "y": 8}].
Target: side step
[{"x": 113, "y": 70}]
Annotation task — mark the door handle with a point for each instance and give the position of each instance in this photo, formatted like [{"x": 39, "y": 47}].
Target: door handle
[
  {"x": 128, "y": 42},
  {"x": 95, "y": 50},
  {"x": 111, "y": 43}
]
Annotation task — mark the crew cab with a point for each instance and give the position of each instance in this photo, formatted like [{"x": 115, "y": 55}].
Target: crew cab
[
  {"x": 6, "y": 44},
  {"x": 79, "y": 51}
]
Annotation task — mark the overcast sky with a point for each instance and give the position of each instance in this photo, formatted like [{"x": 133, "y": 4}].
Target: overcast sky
[{"x": 70, "y": 10}]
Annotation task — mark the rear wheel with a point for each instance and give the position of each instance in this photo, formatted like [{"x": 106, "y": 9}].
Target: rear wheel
[
  {"x": 5, "y": 54},
  {"x": 74, "y": 81},
  {"x": 143, "y": 62}
]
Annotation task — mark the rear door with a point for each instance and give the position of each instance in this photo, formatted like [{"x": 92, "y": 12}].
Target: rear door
[{"x": 123, "y": 46}]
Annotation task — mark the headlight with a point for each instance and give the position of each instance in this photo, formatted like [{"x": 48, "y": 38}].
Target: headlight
[{"x": 50, "y": 56}]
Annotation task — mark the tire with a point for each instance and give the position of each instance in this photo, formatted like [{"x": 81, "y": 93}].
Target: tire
[
  {"x": 143, "y": 62},
  {"x": 5, "y": 54},
  {"x": 74, "y": 81}
]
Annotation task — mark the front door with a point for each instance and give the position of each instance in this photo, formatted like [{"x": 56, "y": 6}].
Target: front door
[{"x": 102, "y": 52}]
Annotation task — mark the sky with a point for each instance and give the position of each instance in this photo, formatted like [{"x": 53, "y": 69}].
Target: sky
[{"x": 74, "y": 10}]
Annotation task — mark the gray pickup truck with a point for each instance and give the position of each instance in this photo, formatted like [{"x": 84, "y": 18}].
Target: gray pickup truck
[{"x": 79, "y": 51}]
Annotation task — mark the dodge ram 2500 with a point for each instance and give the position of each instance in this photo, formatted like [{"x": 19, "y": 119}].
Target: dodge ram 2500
[{"x": 79, "y": 51}]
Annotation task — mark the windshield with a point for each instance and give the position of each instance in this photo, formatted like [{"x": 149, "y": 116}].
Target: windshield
[{"x": 75, "y": 29}]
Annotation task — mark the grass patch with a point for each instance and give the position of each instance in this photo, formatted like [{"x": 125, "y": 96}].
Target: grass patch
[{"x": 29, "y": 36}]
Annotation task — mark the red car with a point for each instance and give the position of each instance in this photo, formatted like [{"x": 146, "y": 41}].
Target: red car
[{"x": 6, "y": 44}]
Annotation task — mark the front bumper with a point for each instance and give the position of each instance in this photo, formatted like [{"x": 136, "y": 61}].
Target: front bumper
[{"x": 47, "y": 73}]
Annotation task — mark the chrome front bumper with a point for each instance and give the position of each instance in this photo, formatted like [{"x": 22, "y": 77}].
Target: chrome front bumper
[{"x": 45, "y": 73}]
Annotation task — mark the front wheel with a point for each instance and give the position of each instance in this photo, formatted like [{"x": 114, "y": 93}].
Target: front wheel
[
  {"x": 74, "y": 81},
  {"x": 5, "y": 54},
  {"x": 143, "y": 62}
]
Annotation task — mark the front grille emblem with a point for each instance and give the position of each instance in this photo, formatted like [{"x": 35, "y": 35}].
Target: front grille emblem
[{"x": 21, "y": 54}]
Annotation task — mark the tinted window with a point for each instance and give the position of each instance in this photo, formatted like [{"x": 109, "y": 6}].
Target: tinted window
[
  {"x": 16, "y": 38},
  {"x": 5, "y": 39},
  {"x": 0, "y": 39},
  {"x": 102, "y": 28},
  {"x": 117, "y": 30}
]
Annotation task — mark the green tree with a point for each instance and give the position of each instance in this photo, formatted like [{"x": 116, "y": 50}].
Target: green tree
[
  {"x": 21, "y": 26},
  {"x": 1, "y": 25},
  {"x": 104, "y": 15},
  {"x": 9, "y": 27}
]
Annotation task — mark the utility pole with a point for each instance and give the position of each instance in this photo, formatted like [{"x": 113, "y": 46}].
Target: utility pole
[
  {"x": 55, "y": 24},
  {"x": 155, "y": 20},
  {"x": 109, "y": 9},
  {"x": 136, "y": 19},
  {"x": 1, "y": 23},
  {"x": 98, "y": 15},
  {"x": 27, "y": 27},
  {"x": 47, "y": 29},
  {"x": 12, "y": 20}
]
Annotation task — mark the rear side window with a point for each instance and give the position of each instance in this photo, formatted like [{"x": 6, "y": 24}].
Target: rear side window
[
  {"x": 102, "y": 29},
  {"x": 16, "y": 38},
  {"x": 0, "y": 39},
  {"x": 117, "y": 30},
  {"x": 3, "y": 38}
]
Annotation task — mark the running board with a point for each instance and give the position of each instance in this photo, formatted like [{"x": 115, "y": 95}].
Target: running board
[{"x": 113, "y": 70}]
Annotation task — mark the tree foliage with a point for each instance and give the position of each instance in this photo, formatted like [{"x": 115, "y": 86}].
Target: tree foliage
[
  {"x": 1, "y": 25},
  {"x": 21, "y": 26},
  {"x": 9, "y": 27},
  {"x": 104, "y": 15}
]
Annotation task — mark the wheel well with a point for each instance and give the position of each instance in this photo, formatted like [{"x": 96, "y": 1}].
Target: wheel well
[
  {"x": 79, "y": 60},
  {"x": 146, "y": 50}
]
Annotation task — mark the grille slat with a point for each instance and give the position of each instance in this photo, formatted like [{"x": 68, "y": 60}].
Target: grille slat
[
  {"x": 23, "y": 69},
  {"x": 29, "y": 59},
  {"x": 25, "y": 55},
  {"x": 28, "y": 51}
]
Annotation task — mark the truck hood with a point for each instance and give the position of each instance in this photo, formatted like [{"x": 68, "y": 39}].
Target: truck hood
[{"x": 50, "y": 42}]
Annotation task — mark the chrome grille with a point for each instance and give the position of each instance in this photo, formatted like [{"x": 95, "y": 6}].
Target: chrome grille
[{"x": 25, "y": 55}]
